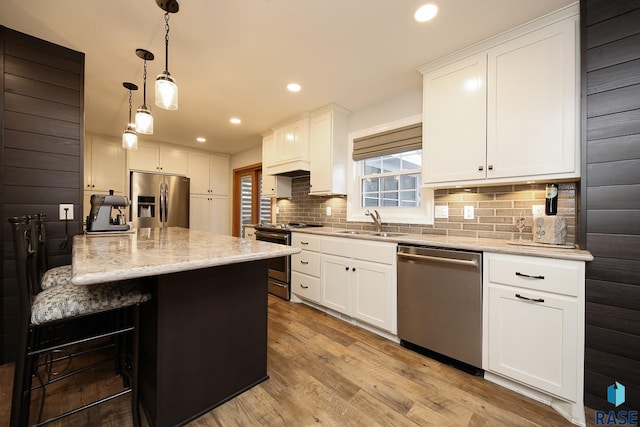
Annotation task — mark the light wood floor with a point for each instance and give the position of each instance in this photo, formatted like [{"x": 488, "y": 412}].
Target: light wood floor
[{"x": 324, "y": 371}]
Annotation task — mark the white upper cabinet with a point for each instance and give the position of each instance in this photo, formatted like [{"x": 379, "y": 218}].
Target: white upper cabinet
[
  {"x": 506, "y": 110},
  {"x": 454, "y": 124},
  {"x": 104, "y": 165},
  {"x": 209, "y": 173},
  {"x": 532, "y": 100},
  {"x": 153, "y": 157},
  {"x": 328, "y": 150}
]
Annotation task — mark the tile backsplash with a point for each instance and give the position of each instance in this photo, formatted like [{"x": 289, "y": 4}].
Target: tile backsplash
[{"x": 495, "y": 210}]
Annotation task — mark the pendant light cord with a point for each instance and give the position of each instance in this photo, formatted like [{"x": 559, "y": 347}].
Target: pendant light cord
[
  {"x": 166, "y": 42},
  {"x": 144, "y": 78},
  {"x": 129, "y": 108}
]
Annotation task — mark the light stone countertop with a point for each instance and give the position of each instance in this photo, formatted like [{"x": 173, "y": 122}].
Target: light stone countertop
[
  {"x": 464, "y": 243},
  {"x": 154, "y": 251}
]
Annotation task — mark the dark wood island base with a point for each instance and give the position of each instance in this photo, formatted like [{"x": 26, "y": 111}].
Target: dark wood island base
[{"x": 203, "y": 340}]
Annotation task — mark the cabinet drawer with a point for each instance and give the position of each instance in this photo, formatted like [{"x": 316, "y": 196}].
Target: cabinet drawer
[
  {"x": 305, "y": 286},
  {"x": 383, "y": 253},
  {"x": 306, "y": 262},
  {"x": 339, "y": 246},
  {"x": 306, "y": 241},
  {"x": 544, "y": 274}
]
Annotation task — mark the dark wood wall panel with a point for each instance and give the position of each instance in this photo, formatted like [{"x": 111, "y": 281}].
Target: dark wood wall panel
[
  {"x": 42, "y": 73},
  {"x": 41, "y": 149},
  {"x": 41, "y": 143},
  {"x": 614, "y": 53},
  {"x": 613, "y": 125},
  {"x": 613, "y": 77},
  {"x": 613, "y": 101},
  {"x": 612, "y": 30},
  {"x": 612, "y": 149},
  {"x": 610, "y": 206},
  {"x": 620, "y": 196},
  {"x": 602, "y": 10}
]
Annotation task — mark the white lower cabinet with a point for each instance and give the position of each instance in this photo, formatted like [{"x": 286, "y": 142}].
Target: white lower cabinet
[
  {"x": 209, "y": 213},
  {"x": 351, "y": 277},
  {"x": 534, "y": 313}
]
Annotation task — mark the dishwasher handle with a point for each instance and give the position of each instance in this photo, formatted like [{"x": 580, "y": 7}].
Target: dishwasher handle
[{"x": 468, "y": 263}]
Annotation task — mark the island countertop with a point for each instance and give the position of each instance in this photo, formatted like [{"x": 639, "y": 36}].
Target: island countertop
[{"x": 155, "y": 251}]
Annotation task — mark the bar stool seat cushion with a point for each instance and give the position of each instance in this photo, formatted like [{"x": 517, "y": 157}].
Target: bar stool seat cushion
[
  {"x": 66, "y": 301},
  {"x": 56, "y": 276}
]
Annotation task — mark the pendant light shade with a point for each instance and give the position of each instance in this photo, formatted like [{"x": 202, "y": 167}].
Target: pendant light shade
[
  {"x": 144, "y": 119},
  {"x": 166, "y": 88},
  {"x": 129, "y": 137}
]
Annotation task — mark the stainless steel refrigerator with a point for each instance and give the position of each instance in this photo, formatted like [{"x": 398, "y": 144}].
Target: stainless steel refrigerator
[{"x": 159, "y": 200}]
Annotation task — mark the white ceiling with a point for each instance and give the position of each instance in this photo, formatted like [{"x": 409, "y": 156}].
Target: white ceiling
[{"x": 233, "y": 58}]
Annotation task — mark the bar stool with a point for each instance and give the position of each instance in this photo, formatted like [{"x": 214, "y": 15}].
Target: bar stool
[
  {"x": 49, "y": 277},
  {"x": 44, "y": 314}
]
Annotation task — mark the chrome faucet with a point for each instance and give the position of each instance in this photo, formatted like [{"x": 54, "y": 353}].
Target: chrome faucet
[{"x": 375, "y": 216}]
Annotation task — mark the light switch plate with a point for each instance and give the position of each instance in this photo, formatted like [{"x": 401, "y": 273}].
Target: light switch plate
[
  {"x": 328, "y": 210},
  {"x": 69, "y": 212},
  {"x": 468, "y": 212},
  {"x": 442, "y": 212}
]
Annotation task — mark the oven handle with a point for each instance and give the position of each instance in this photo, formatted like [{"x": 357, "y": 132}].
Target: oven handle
[{"x": 276, "y": 236}]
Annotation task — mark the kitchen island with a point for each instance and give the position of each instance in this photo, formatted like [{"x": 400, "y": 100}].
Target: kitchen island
[{"x": 204, "y": 333}]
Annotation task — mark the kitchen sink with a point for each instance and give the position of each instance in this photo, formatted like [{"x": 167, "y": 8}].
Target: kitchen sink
[{"x": 371, "y": 233}]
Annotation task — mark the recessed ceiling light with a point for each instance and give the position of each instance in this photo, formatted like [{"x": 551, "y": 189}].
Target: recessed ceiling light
[
  {"x": 294, "y": 87},
  {"x": 235, "y": 120},
  {"x": 201, "y": 139},
  {"x": 426, "y": 12}
]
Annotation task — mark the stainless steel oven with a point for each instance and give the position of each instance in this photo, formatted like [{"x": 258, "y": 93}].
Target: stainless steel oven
[{"x": 279, "y": 268}]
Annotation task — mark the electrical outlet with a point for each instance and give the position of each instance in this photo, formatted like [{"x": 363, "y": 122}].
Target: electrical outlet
[
  {"x": 442, "y": 212},
  {"x": 65, "y": 216},
  {"x": 328, "y": 210},
  {"x": 468, "y": 212},
  {"x": 277, "y": 210},
  {"x": 537, "y": 210}
]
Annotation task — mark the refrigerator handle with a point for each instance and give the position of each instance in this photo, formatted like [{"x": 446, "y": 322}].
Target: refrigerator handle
[
  {"x": 162, "y": 202},
  {"x": 166, "y": 203}
]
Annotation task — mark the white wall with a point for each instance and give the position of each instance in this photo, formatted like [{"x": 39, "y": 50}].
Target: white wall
[
  {"x": 246, "y": 158},
  {"x": 389, "y": 110}
]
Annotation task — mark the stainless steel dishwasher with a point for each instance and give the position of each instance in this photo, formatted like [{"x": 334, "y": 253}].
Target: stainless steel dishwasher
[{"x": 440, "y": 301}]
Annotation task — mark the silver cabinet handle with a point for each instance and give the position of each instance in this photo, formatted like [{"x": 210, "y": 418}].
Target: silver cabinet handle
[
  {"x": 437, "y": 259},
  {"x": 529, "y": 276},
  {"x": 529, "y": 299}
]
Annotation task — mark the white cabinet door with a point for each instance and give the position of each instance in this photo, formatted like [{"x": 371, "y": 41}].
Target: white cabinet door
[
  {"x": 173, "y": 160},
  {"x": 335, "y": 288},
  {"x": 328, "y": 141},
  {"x": 209, "y": 213},
  {"x": 276, "y": 186},
  {"x": 454, "y": 124},
  {"x": 199, "y": 213},
  {"x": 532, "y": 103},
  {"x": 105, "y": 167},
  {"x": 199, "y": 173},
  {"x": 145, "y": 158},
  {"x": 532, "y": 338},
  {"x": 219, "y": 175},
  {"x": 268, "y": 152},
  {"x": 373, "y": 294}
]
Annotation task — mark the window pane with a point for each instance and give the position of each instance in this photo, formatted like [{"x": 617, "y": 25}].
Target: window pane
[
  {"x": 372, "y": 166},
  {"x": 390, "y": 183},
  {"x": 370, "y": 184}
]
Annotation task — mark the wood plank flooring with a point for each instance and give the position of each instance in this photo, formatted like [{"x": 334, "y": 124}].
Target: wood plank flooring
[{"x": 324, "y": 371}]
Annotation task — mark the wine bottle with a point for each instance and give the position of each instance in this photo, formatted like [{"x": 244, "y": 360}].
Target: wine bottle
[{"x": 551, "y": 201}]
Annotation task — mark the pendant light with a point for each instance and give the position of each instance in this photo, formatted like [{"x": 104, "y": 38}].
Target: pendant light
[
  {"x": 166, "y": 88},
  {"x": 144, "y": 119},
  {"x": 129, "y": 137}
]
